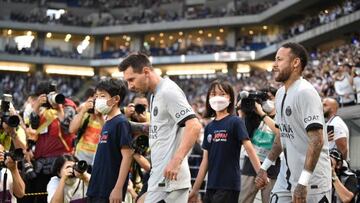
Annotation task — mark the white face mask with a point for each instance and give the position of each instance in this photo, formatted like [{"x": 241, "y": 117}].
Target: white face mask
[
  {"x": 219, "y": 103},
  {"x": 268, "y": 106},
  {"x": 102, "y": 107}
]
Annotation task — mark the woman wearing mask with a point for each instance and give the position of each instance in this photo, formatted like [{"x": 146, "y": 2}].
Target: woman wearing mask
[{"x": 223, "y": 138}]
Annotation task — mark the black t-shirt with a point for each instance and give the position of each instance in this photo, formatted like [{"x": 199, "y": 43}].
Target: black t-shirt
[
  {"x": 115, "y": 134},
  {"x": 222, "y": 140}
]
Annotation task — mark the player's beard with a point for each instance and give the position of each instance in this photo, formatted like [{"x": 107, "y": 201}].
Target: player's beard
[
  {"x": 283, "y": 75},
  {"x": 326, "y": 114}
]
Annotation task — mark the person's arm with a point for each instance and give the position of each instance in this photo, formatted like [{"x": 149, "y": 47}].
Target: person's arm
[
  {"x": 252, "y": 154},
  {"x": 341, "y": 145},
  {"x": 66, "y": 115},
  {"x": 343, "y": 193},
  {"x": 142, "y": 161},
  {"x": 193, "y": 196},
  {"x": 75, "y": 124},
  {"x": 266, "y": 118},
  {"x": 190, "y": 135},
  {"x": 116, "y": 194},
  {"x": 18, "y": 183}
]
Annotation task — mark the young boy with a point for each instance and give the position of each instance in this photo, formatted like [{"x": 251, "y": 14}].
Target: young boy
[{"x": 112, "y": 161}]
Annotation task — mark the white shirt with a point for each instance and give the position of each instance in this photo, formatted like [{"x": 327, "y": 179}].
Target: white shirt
[
  {"x": 343, "y": 87},
  {"x": 72, "y": 192},
  {"x": 9, "y": 186},
  {"x": 357, "y": 87},
  {"x": 340, "y": 131}
]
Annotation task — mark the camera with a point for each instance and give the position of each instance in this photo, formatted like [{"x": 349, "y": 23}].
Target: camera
[
  {"x": 16, "y": 155},
  {"x": 12, "y": 121},
  {"x": 248, "y": 100},
  {"x": 53, "y": 97},
  {"x": 92, "y": 110},
  {"x": 80, "y": 167},
  {"x": 29, "y": 171},
  {"x": 140, "y": 144},
  {"x": 140, "y": 108}
]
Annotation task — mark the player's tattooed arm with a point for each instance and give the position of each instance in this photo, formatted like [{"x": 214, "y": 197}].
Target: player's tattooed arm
[
  {"x": 314, "y": 149},
  {"x": 276, "y": 148}
]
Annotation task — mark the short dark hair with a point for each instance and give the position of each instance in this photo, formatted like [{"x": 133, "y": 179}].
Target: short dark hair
[
  {"x": 60, "y": 161},
  {"x": 137, "y": 61},
  {"x": 221, "y": 84},
  {"x": 45, "y": 87},
  {"x": 113, "y": 87},
  {"x": 299, "y": 51}
]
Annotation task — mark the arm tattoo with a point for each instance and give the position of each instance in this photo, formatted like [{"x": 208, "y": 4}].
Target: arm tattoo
[
  {"x": 276, "y": 149},
  {"x": 314, "y": 149}
]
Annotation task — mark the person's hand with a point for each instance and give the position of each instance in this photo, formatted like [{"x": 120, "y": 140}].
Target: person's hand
[
  {"x": 10, "y": 164},
  {"x": 331, "y": 136},
  {"x": 193, "y": 197},
  {"x": 130, "y": 110},
  {"x": 259, "y": 110},
  {"x": 300, "y": 194},
  {"x": 67, "y": 170},
  {"x": 261, "y": 179},
  {"x": 172, "y": 169},
  {"x": 89, "y": 104},
  {"x": 116, "y": 195},
  {"x": 40, "y": 101}
]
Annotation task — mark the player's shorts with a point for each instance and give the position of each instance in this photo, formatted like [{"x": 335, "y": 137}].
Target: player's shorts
[
  {"x": 176, "y": 196},
  {"x": 286, "y": 197}
]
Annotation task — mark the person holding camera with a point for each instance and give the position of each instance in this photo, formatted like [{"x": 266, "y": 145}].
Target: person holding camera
[
  {"x": 337, "y": 130},
  {"x": 262, "y": 137},
  {"x": 344, "y": 181},
  {"x": 11, "y": 184},
  {"x": 223, "y": 138},
  {"x": 71, "y": 181},
  {"x": 344, "y": 85},
  {"x": 51, "y": 117},
  {"x": 87, "y": 124},
  {"x": 109, "y": 176}
]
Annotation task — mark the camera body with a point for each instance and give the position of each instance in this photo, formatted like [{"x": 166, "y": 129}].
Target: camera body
[
  {"x": 248, "y": 100},
  {"x": 16, "y": 155},
  {"x": 12, "y": 121},
  {"x": 92, "y": 110},
  {"x": 53, "y": 97},
  {"x": 80, "y": 167},
  {"x": 140, "y": 108}
]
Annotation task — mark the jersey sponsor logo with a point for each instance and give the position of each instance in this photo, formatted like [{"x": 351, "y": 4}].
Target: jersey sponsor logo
[
  {"x": 104, "y": 137},
  {"x": 156, "y": 111},
  {"x": 311, "y": 118},
  {"x": 209, "y": 138},
  {"x": 153, "y": 132},
  {"x": 288, "y": 111},
  {"x": 286, "y": 131},
  {"x": 182, "y": 113},
  {"x": 220, "y": 136}
]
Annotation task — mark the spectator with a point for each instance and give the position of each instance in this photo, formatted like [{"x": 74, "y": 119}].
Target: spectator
[
  {"x": 69, "y": 184},
  {"x": 343, "y": 87}
]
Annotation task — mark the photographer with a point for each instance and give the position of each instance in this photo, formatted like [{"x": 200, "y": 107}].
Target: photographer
[
  {"x": 137, "y": 110},
  {"x": 12, "y": 134},
  {"x": 51, "y": 117},
  {"x": 87, "y": 124},
  {"x": 258, "y": 111},
  {"x": 344, "y": 180},
  {"x": 14, "y": 184},
  {"x": 70, "y": 183}
]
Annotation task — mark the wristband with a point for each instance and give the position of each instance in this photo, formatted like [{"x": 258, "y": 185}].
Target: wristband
[
  {"x": 266, "y": 164},
  {"x": 304, "y": 178}
]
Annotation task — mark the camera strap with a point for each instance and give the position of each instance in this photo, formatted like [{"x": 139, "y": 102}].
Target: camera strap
[
  {"x": 4, "y": 186},
  {"x": 62, "y": 139},
  {"x": 49, "y": 115}
]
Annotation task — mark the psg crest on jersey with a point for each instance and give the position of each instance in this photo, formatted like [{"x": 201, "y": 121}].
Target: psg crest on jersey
[
  {"x": 288, "y": 111},
  {"x": 156, "y": 111}
]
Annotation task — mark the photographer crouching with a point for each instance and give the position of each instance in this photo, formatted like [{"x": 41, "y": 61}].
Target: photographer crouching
[
  {"x": 50, "y": 119},
  {"x": 11, "y": 184},
  {"x": 71, "y": 180},
  {"x": 258, "y": 110}
]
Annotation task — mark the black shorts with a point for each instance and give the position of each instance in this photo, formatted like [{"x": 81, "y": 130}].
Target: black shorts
[{"x": 221, "y": 196}]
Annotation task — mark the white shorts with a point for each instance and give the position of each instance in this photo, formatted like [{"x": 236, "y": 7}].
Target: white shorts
[{"x": 176, "y": 196}]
